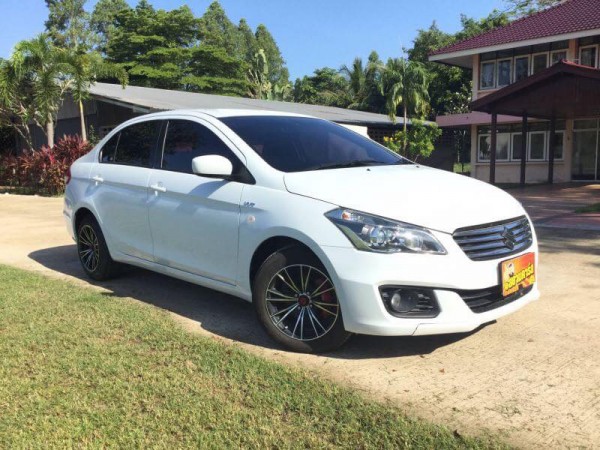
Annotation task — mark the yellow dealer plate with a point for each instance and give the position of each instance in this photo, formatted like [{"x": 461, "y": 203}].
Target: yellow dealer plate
[{"x": 517, "y": 273}]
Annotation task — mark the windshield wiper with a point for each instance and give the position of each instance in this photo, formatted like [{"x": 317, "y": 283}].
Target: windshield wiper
[{"x": 346, "y": 164}]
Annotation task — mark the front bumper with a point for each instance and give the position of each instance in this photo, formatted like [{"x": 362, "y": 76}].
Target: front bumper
[{"x": 358, "y": 276}]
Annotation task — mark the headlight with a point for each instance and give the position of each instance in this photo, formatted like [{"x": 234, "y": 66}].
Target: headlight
[{"x": 372, "y": 233}]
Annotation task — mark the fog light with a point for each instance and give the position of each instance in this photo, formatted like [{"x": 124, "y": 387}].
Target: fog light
[
  {"x": 404, "y": 300},
  {"x": 409, "y": 302}
]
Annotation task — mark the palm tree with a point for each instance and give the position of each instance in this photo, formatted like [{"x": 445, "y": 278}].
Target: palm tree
[
  {"x": 404, "y": 83},
  {"x": 38, "y": 69},
  {"x": 83, "y": 71},
  {"x": 356, "y": 77}
]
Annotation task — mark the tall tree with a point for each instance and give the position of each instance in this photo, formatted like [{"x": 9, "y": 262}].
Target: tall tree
[
  {"x": 212, "y": 70},
  {"x": 404, "y": 83},
  {"x": 102, "y": 20},
  {"x": 216, "y": 30},
  {"x": 153, "y": 45},
  {"x": 325, "y": 87},
  {"x": 278, "y": 73},
  {"x": 247, "y": 41},
  {"x": 67, "y": 23},
  {"x": 364, "y": 83}
]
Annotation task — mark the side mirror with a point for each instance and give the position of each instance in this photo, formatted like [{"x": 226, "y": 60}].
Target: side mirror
[{"x": 212, "y": 166}]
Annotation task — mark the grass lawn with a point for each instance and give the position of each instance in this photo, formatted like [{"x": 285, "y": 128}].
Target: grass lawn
[
  {"x": 80, "y": 368},
  {"x": 595, "y": 208},
  {"x": 462, "y": 168}
]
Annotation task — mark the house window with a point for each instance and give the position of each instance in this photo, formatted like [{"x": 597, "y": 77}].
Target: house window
[
  {"x": 517, "y": 140},
  {"x": 521, "y": 67},
  {"x": 540, "y": 62},
  {"x": 502, "y": 146},
  {"x": 537, "y": 145},
  {"x": 488, "y": 70},
  {"x": 587, "y": 56},
  {"x": 504, "y": 70},
  {"x": 558, "y": 56}
]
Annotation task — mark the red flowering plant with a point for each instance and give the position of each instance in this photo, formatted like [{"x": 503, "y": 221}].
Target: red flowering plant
[{"x": 43, "y": 171}]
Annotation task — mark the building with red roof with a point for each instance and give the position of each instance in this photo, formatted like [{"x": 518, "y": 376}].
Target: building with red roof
[{"x": 513, "y": 65}]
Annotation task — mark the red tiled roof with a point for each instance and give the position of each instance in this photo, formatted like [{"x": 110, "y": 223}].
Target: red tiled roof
[{"x": 570, "y": 16}]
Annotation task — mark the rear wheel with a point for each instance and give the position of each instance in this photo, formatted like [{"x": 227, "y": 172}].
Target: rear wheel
[
  {"x": 297, "y": 303},
  {"x": 93, "y": 252}
]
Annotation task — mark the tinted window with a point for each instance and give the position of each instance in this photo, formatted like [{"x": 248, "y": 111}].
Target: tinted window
[
  {"x": 186, "y": 140},
  {"x": 136, "y": 144},
  {"x": 295, "y": 144},
  {"x": 132, "y": 146},
  {"x": 109, "y": 149}
]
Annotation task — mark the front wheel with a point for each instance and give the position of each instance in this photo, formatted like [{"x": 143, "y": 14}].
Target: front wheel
[{"x": 297, "y": 303}]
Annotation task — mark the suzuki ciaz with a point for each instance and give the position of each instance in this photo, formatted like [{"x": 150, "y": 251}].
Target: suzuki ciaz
[{"x": 325, "y": 231}]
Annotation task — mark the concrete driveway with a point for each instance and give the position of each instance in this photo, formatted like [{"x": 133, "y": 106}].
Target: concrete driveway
[{"x": 533, "y": 377}]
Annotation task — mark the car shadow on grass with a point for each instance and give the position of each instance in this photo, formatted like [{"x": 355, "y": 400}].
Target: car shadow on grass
[{"x": 222, "y": 314}]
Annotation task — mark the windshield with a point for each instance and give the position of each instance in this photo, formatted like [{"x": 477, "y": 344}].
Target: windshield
[{"x": 298, "y": 144}]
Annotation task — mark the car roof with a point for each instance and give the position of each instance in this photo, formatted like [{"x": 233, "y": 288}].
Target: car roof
[{"x": 222, "y": 113}]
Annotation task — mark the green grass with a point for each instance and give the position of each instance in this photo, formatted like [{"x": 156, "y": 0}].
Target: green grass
[
  {"x": 80, "y": 368},
  {"x": 594, "y": 208}
]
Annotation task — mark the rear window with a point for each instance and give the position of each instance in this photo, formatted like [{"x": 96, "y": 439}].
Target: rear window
[
  {"x": 132, "y": 146},
  {"x": 296, "y": 144}
]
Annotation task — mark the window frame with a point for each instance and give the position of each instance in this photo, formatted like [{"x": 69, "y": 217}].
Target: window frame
[
  {"x": 117, "y": 132},
  {"x": 510, "y": 72},
  {"x": 512, "y": 147},
  {"x": 594, "y": 46},
  {"x": 528, "y": 58},
  {"x": 533, "y": 55},
  {"x": 245, "y": 176},
  {"x": 529, "y": 147},
  {"x": 508, "y": 152},
  {"x": 554, "y": 52},
  {"x": 493, "y": 86}
]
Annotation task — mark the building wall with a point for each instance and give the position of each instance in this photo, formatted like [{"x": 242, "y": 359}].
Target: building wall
[{"x": 536, "y": 172}]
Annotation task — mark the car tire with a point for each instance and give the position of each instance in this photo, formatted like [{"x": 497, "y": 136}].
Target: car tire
[
  {"x": 93, "y": 252},
  {"x": 297, "y": 304}
]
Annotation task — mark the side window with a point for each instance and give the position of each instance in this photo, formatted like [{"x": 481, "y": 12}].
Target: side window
[
  {"x": 135, "y": 144},
  {"x": 186, "y": 140},
  {"x": 109, "y": 149}
]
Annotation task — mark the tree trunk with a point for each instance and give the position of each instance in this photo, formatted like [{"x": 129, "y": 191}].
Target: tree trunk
[
  {"x": 82, "y": 119},
  {"x": 405, "y": 143},
  {"x": 50, "y": 131}
]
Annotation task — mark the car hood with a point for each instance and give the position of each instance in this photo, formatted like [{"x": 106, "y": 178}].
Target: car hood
[{"x": 414, "y": 194}]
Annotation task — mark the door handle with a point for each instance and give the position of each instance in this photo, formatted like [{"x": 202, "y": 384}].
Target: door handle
[
  {"x": 98, "y": 179},
  {"x": 158, "y": 188}
]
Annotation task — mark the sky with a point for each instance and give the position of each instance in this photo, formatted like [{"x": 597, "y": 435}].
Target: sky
[{"x": 310, "y": 33}]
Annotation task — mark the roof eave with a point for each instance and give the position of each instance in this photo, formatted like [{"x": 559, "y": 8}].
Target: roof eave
[{"x": 447, "y": 58}]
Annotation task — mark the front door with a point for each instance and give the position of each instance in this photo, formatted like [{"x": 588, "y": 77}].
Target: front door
[
  {"x": 194, "y": 220},
  {"x": 586, "y": 158}
]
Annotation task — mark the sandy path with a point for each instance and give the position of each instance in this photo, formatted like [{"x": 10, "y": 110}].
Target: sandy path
[{"x": 533, "y": 377}]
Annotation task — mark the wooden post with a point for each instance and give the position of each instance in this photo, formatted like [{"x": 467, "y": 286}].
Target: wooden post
[
  {"x": 523, "y": 148},
  {"x": 551, "y": 145},
  {"x": 493, "y": 148}
]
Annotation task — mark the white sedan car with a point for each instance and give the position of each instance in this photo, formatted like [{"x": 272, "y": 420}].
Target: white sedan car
[{"x": 325, "y": 231}]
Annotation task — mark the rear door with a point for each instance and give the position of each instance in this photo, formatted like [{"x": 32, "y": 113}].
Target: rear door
[
  {"x": 120, "y": 179},
  {"x": 194, "y": 220}
]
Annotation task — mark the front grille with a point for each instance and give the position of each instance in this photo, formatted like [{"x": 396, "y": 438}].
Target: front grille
[
  {"x": 494, "y": 240},
  {"x": 483, "y": 300}
]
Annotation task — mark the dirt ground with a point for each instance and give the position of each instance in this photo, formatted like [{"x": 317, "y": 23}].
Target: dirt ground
[{"x": 533, "y": 378}]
